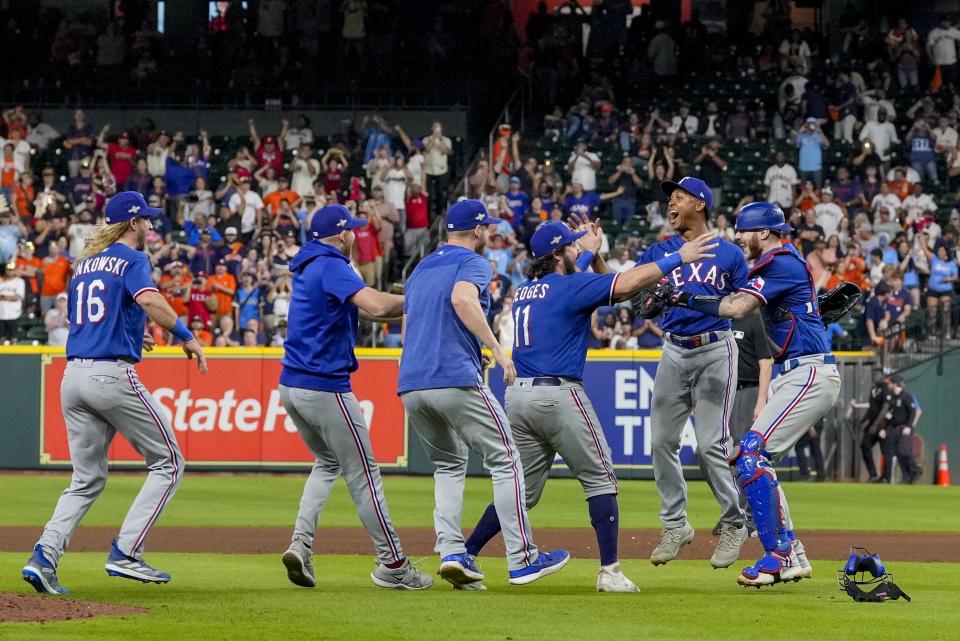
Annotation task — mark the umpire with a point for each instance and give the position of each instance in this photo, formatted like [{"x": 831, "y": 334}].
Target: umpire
[{"x": 754, "y": 371}]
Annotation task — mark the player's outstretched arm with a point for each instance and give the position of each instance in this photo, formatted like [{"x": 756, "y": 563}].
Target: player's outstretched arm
[
  {"x": 160, "y": 312},
  {"x": 632, "y": 281},
  {"x": 466, "y": 303},
  {"x": 375, "y": 305},
  {"x": 738, "y": 305}
]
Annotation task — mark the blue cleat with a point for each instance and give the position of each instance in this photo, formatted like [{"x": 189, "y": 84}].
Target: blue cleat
[
  {"x": 41, "y": 574},
  {"x": 546, "y": 563},
  {"x": 459, "y": 569},
  {"x": 119, "y": 564}
]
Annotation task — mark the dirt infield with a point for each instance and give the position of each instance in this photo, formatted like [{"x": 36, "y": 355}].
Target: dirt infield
[
  {"x": 634, "y": 544},
  {"x": 33, "y": 607}
]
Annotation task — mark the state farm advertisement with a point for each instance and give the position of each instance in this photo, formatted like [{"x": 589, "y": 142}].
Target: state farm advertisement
[{"x": 233, "y": 414}]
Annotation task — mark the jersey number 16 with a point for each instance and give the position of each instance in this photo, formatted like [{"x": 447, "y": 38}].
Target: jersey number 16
[{"x": 94, "y": 304}]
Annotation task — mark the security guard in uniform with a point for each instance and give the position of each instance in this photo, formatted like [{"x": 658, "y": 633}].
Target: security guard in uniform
[{"x": 897, "y": 434}]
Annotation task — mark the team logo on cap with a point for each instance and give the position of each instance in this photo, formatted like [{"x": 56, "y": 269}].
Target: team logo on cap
[
  {"x": 556, "y": 240},
  {"x": 480, "y": 217},
  {"x": 134, "y": 209},
  {"x": 342, "y": 223}
]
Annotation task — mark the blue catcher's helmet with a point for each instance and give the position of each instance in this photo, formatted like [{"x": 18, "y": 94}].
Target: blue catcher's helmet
[{"x": 762, "y": 215}]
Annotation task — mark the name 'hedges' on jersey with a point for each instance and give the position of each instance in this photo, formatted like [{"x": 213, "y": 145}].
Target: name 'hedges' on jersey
[{"x": 724, "y": 274}]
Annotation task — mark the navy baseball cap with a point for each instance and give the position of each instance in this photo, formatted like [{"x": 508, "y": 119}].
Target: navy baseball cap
[
  {"x": 693, "y": 186},
  {"x": 128, "y": 205},
  {"x": 467, "y": 214},
  {"x": 333, "y": 219},
  {"x": 552, "y": 235}
]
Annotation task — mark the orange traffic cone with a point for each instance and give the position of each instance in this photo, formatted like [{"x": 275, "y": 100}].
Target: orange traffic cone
[{"x": 943, "y": 469}]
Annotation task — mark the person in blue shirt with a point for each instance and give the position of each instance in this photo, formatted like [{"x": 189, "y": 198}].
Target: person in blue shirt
[
  {"x": 808, "y": 385},
  {"x": 327, "y": 300},
  {"x": 548, "y": 409},
  {"x": 811, "y": 142},
  {"x": 111, "y": 296},
  {"x": 450, "y": 407},
  {"x": 581, "y": 203},
  {"x": 517, "y": 201},
  {"x": 943, "y": 277},
  {"x": 696, "y": 375}
]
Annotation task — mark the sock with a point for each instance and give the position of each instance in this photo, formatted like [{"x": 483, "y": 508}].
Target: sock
[
  {"x": 605, "y": 519},
  {"x": 487, "y": 527},
  {"x": 396, "y": 565}
]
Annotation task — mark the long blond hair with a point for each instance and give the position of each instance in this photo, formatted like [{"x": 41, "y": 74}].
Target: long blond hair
[{"x": 104, "y": 237}]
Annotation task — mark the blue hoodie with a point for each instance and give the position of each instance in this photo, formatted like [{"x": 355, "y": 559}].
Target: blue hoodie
[{"x": 322, "y": 322}]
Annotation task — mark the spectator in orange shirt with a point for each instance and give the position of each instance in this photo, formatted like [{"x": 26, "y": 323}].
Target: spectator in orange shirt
[
  {"x": 283, "y": 192},
  {"x": 8, "y": 172},
  {"x": 56, "y": 275},
  {"x": 854, "y": 267},
  {"x": 174, "y": 286},
  {"x": 199, "y": 329},
  {"x": 28, "y": 266},
  {"x": 900, "y": 185},
  {"x": 505, "y": 150},
  {"x": 224, "y": 287},
  {"x": 157, "y": 333},
  {"x": 23, "y": 196}
]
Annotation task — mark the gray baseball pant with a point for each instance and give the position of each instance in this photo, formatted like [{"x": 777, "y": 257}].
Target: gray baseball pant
[
  {"x": 332, "y": 426},
  {"x": 99, "y": 399},
  {"x": 700, "y": 380},
  {"x": 547, "y": 420},
  {"x": 449, "y": 421}
]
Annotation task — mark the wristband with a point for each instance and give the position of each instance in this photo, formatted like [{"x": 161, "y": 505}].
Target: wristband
[
  {"x": 585, "y": 260},
  {"x": 669, "y": 263},
  {"x": 709, "y": 305},
  {"x": 180, "y": 331}
]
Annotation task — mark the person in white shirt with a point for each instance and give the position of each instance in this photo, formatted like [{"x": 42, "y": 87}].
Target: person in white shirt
[
  {"x": 21, "y": 150},
  {"x": 885, "y": 199},
  {"x": 829, "y": 213},
  {"x": 39, "y": 133},
  {"x": 780, "y": 180},
  {"x": 882, "y": 134},
  {"x": 583, "y": 166},
  {"x": 621, "y": 261},
  {"x": 918, "y": 204},
  {"x": 944, "y": 137},
  {"x": 395, "y": 177},
  {"x": 911, "y": 174},
  {"x": 376, "y": 165},
  {"x": 304, "y": 170},
  {"x": 298, "y": 135},
  {"x": 249, "y": 205},
  {"x": 873, "y": 100},
  {"x": 885, "y": 223},
  {"x": 795, "y": 53},
  {"x": 684, "y": 123},
  {"x": 12, "y": 291},
  {"x": 942, "y": 49},
  {"x": 57, "y": 322}
]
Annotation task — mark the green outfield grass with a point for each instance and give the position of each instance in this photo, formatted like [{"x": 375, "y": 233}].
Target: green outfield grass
[
  {"x": 211, "y": 500},
  {"x": 247, "y": 597}
]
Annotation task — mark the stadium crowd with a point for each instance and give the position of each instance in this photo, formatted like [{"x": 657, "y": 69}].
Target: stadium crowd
[
  {"x": 859, "y": 148},
  {"x": 220, "y": 252}
]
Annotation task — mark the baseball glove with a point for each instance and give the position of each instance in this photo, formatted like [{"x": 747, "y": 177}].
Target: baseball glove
[
  {"x": 838, "y": 302},
  {"x": 650, "y": 302}
]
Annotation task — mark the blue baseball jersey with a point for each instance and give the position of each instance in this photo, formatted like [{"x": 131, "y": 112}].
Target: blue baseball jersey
[
  {"x": 585, "y": 205},
  {"x": 725, "y": 273},
  {"x": 105, "y": 319},
  {"x": 518, "y": 203},
  {"x": 782, "y": 281},
  {"x": 551, "y": 317},
  {"x": 438, "y": 350},
  {"x": 322, "y": 322}
]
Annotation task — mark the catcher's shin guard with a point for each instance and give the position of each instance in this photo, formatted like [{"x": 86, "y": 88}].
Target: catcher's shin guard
[{"x": 758, "y": 482}]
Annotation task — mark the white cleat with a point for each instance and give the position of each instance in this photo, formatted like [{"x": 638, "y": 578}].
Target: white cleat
[
  {"x": 806, "y": 569},
  {"x": 611, "y": 579}
]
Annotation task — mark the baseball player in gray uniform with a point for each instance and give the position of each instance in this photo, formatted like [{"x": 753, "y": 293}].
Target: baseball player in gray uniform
[
  {"x": 448, "y": 404},
  {"x": 547, "y": 405},
  {"x": 328, "y": 298},
  {"x": 697, "y": 373},
  {"x": 111, "y": 295}
]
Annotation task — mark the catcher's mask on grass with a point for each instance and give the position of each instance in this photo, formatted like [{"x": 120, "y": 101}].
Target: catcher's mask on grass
[{"x": 866, "y": 570}]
